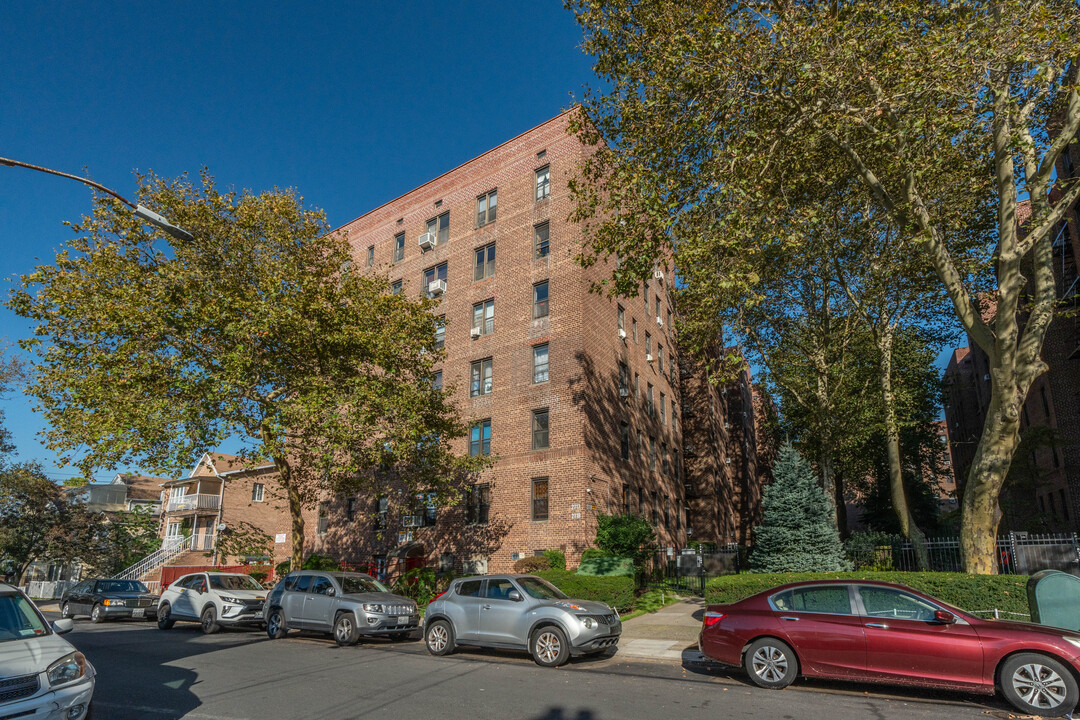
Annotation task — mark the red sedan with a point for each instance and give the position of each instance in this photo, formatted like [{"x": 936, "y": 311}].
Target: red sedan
[{"x": 881, "y": 632}]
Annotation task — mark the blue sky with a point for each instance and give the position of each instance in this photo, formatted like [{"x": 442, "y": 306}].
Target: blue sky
[{"x": 352, "y": 103}]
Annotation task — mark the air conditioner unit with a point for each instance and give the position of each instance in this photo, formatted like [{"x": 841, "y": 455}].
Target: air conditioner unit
[
  {"x": 649, "y": 357},
  {"x": 660, "y": 321},
  {"x": 622, "y": 334},
  {"x": 427, "y": 241},
  {"x": 436, "y": 288},
  {"x": 658, "y": 274},
  {"x": 624, "y": 392},
  {"x": 475, "y": 333},
  {"x": 410, "y": 521}
]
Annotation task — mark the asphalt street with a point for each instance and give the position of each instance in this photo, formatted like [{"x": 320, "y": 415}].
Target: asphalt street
[{"x": 149, "y": 674}]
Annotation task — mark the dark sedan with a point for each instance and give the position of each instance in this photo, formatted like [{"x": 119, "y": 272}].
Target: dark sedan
[
  {"x": 880, "y": 632},
  {"x": 107, "y": 598}
]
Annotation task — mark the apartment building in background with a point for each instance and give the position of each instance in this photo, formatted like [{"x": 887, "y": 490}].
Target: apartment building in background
[{"x": 575, "y": 393}]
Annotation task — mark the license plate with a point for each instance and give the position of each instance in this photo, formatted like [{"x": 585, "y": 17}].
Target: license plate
[
  {"x": 138, "y": 612},
  {"x": 403, "y": 620}
]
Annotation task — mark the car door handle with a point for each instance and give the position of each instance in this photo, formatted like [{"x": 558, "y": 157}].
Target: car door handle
[
  {"x": 486, "y": 607},
  {"x": 883, "y": 626},
  {"x": 789, "y": 618}
]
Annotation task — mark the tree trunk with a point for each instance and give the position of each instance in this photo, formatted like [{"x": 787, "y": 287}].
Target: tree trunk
[
  {"x": 897, "y": 491},
  {"x": 296, "y": 506},
  {"x": 841, "y": 506}
]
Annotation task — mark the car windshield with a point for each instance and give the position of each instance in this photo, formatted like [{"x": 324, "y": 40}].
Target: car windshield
[
  {"x": 18, "y": 619},
  {"x": 355, "y": 584},
  {"x": 120, "y": 586},
  {"x": 234, "y": 582},
  {"x": 541, "y": 589}
]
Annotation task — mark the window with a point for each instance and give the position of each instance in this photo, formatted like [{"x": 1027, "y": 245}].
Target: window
[
  {"x": 498, "y": 589},
  {"x": 895, "y": 604},
  {"x": 650, "y": 407},
  {"x": 624, "y": 441},
  {"x": 637, "y": 386},
  {"x": 440, "y": 228},
  {"x": 257, "y": 491},
  {"x": 321, "y": 586},
  {"x": 540, "y": 499},
  {"x": 432, "y": 274},
  {"x": 663, "y": 404},
  {"x": 665, "y": 464},
  {"x": 324, "y": 518},
  {"x": 667, "y": 514},
  {"x": 626, "y": 499},
  {"x": 478, "y": 504},
  {"x": 542, "y": 240},
  {"x": 485, "y": 208},
  {"x": 483, "y": 317},
  {"x": 652, "y": 453},
  {"x": 485, "y": 262},
  {"x": 427, "y": 509},
  {"x": 648, "y": 344},
  {"x": 543, "y": 183},
  {"x": 675, "y": 464},
  {"x": 833, "y": 599},
  {"x": 481, "y": 378},
  {"x": 540, "y": 429},
  {"x": 656, "y": 301},
  {"x": 440, "y": 337},
  {"x": 641, "y": 502},
  {"x": 480, "y": 438},
  {"x": 660, "y": 361},
  {"x": 399, "y": 247},
  {"x": 624, "y": 380},
  {"x": 633, "y": 327},
  {"x": 380, "y": 515},
  {"x": 646, "y": 295},
  {"x": 668, "y": 322},
  {"x": 470, "y": 588},
  {"x": 622, "y": 321},
  {"x": 540, "y": 363},
  {"x": 655, "y": 509},
  {"x": 436, "y": 380},
  {"x": 540, "y": 300},
  {"x": 674, "y": 416},
  {"x": 395, "y": 287},
  {"x": 350, "y": 509},
  {"x": 371, "y": 255}
]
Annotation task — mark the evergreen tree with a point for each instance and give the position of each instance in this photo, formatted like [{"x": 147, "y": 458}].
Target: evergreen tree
[{"x": 797, "y": 533}]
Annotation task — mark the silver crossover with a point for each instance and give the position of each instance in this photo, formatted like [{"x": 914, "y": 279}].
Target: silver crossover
[
  {"x": 347, "y": 605},
  {"x": 521, "y": 612}
]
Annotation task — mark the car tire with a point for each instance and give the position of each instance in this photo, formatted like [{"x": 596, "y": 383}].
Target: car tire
[
  {"x": 549, "y": 647},
  {"x": 65, "y": 611},
  {"x": 1038, "y": 685},
  {"x": 345, "y": 631},
  {"x": 97, "y": 614},
  {"x": 208, "y": 621},
  {"x": 771, "y": 663},
  {"x": 164, "y": 617},
  {"x": 439, "y": 638},
  {"x": 275, "y": 624}
]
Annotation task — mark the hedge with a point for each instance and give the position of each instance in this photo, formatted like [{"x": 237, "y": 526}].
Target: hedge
[
  {"x": 609, "y": 566},
  {"x": 1007, "y": 593},
  {"x": 618, "y": 592}
]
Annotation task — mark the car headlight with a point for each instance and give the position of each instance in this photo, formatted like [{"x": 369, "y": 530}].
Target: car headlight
[
  {"x": 588, "y": 622},
  {"x": 373, "y": 607},
  {"x": 230, "y": 599},
  {"x": 568, "y": 606},
  {"x": 67, "y": 669},
  {"x": 1072, "y": 641}
]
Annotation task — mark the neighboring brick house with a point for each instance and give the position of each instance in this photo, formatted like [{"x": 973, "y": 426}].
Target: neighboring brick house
[
  {"x": 576, "y": 393},
  {"x": 222, "y": 492}
]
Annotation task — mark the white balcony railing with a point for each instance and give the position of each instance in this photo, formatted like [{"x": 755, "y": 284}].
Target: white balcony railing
[
  {"x": 202, "y": 541},
  {"x": 192, "y": 502}
]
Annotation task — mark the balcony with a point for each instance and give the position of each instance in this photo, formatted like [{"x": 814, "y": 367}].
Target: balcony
[{"x": 188, "y": 503}]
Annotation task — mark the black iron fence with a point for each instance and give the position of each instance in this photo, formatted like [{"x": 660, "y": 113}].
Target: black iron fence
[
  {"x": 1017, "y": 553},
  {"x": 688, "y": 570}
]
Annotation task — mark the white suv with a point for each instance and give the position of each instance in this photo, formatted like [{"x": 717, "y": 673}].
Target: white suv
[{"x": 212, "y": 599}]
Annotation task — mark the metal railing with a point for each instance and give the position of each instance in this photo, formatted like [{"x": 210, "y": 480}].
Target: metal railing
[
  {"x": 170, "y": 548},
  {"x": 47, "y": 589},
  {"x": 202, "y": 541},
  {"x": 1017, "y": 553},
  {"x": 201, "y": 501}
]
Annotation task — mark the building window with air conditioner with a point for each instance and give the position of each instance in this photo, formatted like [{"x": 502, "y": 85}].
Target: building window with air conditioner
[
  {"x": 540, "y": 364},
  {"x": 435, "y": 280},
  {"x": 540, "y": 429},
  {"x": 481, "y": 378},
  {"x": 540, "y": 499},
  {"x": 485, "y": 208},
  {"x": 399, "y": 247},
  {"x": 540, "y": 300},
  {"x": 648, "y": 347},
  {"x": 257, "y": 492},
  {"x": 543, "y": 183},
  {"x": 483, "y": 322},
  {"x": 480, "y": 438},
  {"x": 484, "y": 267},
  {"x": 542, "y": 240}
]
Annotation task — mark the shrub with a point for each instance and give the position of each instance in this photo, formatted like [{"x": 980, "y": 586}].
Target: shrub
[
  {"x": 618, "y": 592},
  {"x": 531, "y": 564},
  {"x": 420, "y": 584},
  {"x": 1007, "y": 593},
  {"x": 625, "y": 536},
  {"x": 608, "y": 565},
  {"x": 282, "y": 568},
  {"x": 591, "y": 553},
  {"x": 557, "y": 559},
  {"x": 867, "y": 550},
  {"x": 259, "y": 575}
]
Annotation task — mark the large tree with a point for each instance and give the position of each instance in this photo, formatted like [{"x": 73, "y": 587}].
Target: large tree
[
  {"x": 150, "y": 350},
  {"x": 36, "y": 520},
  {"x": 718, "y": 116}
]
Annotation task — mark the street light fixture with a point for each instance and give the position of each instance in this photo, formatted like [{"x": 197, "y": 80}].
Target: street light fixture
[{"x": 140, "y": 211}]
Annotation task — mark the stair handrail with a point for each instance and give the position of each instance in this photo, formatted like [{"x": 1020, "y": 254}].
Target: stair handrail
[{"x": 156, "y": 559}]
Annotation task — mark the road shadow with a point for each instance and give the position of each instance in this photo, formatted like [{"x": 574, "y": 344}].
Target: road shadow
[{"x": 558, "y": 713}]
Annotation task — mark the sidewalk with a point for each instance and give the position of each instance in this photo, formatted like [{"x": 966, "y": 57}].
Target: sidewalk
[{"x": 670, "y": 634}]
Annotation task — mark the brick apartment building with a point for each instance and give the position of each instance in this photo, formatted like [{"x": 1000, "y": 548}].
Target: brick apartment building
[
  {"x": 576, "y": 394},
  {"x": 1046, "y": 494}
]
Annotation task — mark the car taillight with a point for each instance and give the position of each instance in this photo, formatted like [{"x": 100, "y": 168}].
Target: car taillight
[
  {"x": 711, "y": 618},
  {"x": 436, "y": 597}
]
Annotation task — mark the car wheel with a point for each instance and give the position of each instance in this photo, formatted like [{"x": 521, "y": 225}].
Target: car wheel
[
  {"x": 345, "y": 630},
  {"x": 439, "y": 638},
  {"x": 97, "y": 614},
  {"x": 65, "y": 611},
  {"x": 164, "y": 617},
  {"x": 549, "y": 647},
  {"x": 275, "y": 624},
  {"x": 1038, "y": 685},
  {"x": 209, "y": 621},
  {"x": 771, "y": 663}
]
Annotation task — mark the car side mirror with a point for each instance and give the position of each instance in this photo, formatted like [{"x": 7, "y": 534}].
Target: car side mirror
[
  {"x": 331, "y": 591},
  {"x": 514, "y": 595},
  {"x": 944, "y": 617},
  {"x": 63, "y": 625}
]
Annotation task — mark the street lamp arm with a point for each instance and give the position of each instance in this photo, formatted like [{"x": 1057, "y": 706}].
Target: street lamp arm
[{"x": 91, "y": 183}]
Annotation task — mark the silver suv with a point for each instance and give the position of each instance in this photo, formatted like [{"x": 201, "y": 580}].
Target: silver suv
[
  {"x": 346, "y": 604},
  {"x": 521, "y": 612}
]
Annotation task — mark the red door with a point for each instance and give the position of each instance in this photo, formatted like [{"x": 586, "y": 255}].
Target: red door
[
  {"x": 821, "y": 624},
  {"x": 904, "y": 644}
]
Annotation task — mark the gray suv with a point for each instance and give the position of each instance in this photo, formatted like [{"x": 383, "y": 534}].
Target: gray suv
[
  {"x": 347, "y": 605},
  {"x": 519, "y": 612}
]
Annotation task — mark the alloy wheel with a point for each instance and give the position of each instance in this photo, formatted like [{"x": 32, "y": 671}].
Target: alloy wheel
[
  {"x": 770, "y": 664},
  {"x": 273, "y": 625},
  {"x": 548, "y": 646},
  {"x": 1039, "y": 686},
  {"x": 344, "y": 629},
  {"x": 437, "y": 638}
]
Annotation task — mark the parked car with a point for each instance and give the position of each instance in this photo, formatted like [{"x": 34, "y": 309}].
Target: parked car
[
  {"x": 107, "y": 598},
  {"x": 213, "y": 599},
  {"x": 42, "y": 674},
  {"x": 519, "y": 612},
  {"x": 881, "y": 632},
  {"x": 347, "y": 605}
]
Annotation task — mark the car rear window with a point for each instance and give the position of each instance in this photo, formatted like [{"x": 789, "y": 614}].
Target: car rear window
[{"x": 470, "y": 588}]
